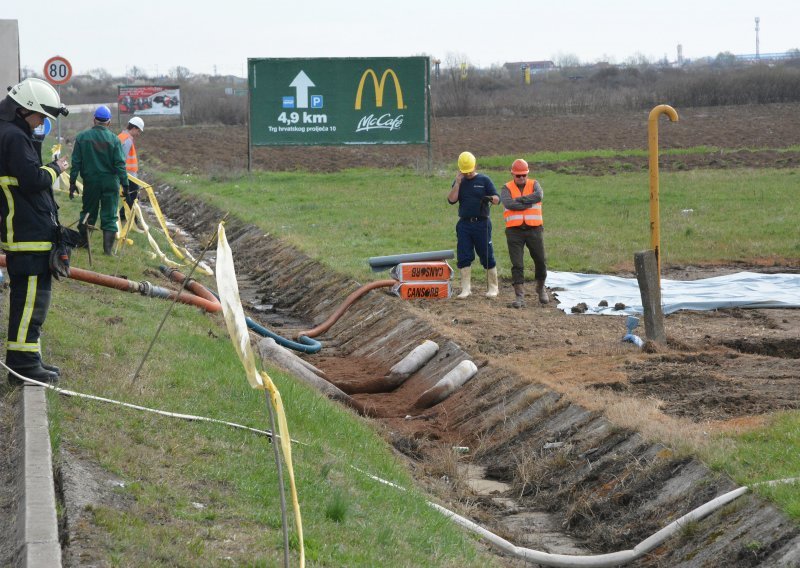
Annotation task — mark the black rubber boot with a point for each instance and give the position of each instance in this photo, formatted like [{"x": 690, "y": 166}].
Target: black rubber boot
[
  {"x": 36, "y": 373},
  {"x": 51, "y": 368},
  {"x": 108, "y": 242}
]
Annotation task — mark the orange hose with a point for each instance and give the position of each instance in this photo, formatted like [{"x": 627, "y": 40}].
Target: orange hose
[
  {"x": 200, "y": 296},
  {"x": 324, "y": 326},
  {"x": 193, "y": 286}
]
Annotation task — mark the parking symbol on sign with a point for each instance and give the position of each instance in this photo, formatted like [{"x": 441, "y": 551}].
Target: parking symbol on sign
[
  {"x": 288, "y": 102},
  {"x": 316, "y": 101}
]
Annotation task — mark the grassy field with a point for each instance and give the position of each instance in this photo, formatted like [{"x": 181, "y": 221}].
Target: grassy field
[{"x": 592, "y": 224}]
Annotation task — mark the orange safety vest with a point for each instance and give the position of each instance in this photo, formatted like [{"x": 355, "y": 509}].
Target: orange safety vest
[
  {"x": 131, "y": 160},
  {"x": 531, "y": 217}
]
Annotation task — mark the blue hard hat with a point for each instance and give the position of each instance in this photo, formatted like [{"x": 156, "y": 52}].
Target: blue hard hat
[{"x": 102, "y": 113}]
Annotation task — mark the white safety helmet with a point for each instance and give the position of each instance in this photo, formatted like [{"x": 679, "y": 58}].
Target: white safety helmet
[
  {"x": 137, "y": 122},
  {"x": 38, "y": 96}
]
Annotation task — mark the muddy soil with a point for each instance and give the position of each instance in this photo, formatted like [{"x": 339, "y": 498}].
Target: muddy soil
[{"x": 750, "y": 130}]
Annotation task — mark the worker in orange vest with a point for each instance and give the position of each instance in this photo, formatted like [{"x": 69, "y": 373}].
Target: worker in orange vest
[
  {"x": 132, "y": 131},
  {"x": 522, "y": 201}
]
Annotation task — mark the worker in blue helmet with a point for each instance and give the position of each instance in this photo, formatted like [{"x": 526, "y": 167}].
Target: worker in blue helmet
[{"x": 98, "y": 158}]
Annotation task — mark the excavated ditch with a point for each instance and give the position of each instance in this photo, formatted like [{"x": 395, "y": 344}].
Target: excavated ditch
[{"x": 538, "y": 470}]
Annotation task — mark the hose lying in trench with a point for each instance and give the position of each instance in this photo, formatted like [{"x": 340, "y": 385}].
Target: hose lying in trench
[
  {"x": 599, "y": 560},
  {"x": 304, "y": 344},
  {"x": 349, "y": 301},
  {"x": 199, "y": 297}
]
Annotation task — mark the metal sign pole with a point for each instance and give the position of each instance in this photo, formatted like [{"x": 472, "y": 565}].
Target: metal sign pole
[{"x": 58, "y": 120}]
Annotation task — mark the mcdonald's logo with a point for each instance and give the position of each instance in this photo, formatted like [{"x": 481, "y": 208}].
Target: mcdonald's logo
[{"x": 379, "y": 87}]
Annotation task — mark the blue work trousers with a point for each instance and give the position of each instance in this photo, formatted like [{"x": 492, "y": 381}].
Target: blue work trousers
[{"x": 474, "y": 234}]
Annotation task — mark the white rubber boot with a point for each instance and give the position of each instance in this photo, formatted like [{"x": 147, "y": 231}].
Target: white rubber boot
[
  {"x": 466, "y": 282},
  {"x": 491, "y": 278}
]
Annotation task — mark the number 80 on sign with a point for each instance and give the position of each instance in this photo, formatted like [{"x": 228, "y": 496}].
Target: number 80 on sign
[{"x": 57, "y": 70}]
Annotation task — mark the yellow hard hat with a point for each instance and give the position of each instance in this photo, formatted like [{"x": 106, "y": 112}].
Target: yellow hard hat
[{"x": 466, "y": 162}]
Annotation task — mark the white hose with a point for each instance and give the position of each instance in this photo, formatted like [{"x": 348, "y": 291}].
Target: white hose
[
  {"x": 137, "y": 407},
  {"x": 598, "y": 560}
]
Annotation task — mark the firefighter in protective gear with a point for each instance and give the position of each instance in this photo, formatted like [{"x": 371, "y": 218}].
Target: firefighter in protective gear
[
  {"x": 474, "y": 193},
  {"x": 97, "y": 157},
  {"x": 127, "y": 137},
  {"x": 28, "y": 223},
  {"x": 522, "y": 201}
]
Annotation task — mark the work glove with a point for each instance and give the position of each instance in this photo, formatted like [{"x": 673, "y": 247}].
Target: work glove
[
  {"x": 126, "y": 189},
  {"x": 487, "y": 199},
  {"x": 73, "y": 189}
]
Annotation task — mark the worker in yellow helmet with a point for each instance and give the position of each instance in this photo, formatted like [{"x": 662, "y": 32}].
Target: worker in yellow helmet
[{"x": 474, "y": 193}]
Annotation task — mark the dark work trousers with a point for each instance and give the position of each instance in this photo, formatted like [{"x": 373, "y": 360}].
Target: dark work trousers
[
  {"x": 29, "y": 299},
  {"x": 102, "y": 195},
  {"x": 474, "y": 234},
  {"x": 525, "y": 236}
]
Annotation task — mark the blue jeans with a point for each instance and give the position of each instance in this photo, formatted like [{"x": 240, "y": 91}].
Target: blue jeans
[{"x": 475, "y": 237}]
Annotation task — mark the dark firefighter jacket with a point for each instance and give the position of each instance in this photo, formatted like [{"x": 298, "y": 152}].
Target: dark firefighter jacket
[{"x": 28, "y": 219}]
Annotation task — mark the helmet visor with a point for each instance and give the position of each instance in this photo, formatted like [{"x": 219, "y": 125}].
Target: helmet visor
[{"x": 53, "y": 112}]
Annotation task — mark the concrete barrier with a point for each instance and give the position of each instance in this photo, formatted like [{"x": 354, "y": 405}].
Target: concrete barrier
[{"x": 38, "y": 525}]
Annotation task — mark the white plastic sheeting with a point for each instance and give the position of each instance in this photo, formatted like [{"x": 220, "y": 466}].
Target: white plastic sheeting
[{"x": 740, "y": 290}]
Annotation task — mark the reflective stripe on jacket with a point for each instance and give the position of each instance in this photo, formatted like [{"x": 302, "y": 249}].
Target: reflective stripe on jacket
[
  {"x": 131, "y": 159},
  {"x": 531, "y": 216},
  {"x": 27, "y": 206}
]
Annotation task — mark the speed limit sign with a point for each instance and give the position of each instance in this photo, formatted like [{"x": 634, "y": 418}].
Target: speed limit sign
[{"x": 57, "y": 70}]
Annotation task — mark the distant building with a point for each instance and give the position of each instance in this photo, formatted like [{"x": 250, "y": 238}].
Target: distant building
[{"x": 534, "y": 66}]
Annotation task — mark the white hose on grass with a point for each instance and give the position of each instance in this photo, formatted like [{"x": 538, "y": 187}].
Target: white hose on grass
[{"x": 190, "y": 417}]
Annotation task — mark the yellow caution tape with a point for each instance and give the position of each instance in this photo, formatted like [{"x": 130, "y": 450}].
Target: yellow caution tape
[
  {"x": 228, "y": 290},
  {"x": 180, "y": 251}
]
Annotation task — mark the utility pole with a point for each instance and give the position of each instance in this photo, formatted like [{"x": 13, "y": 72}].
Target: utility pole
[{"x": 758, "y": 20}]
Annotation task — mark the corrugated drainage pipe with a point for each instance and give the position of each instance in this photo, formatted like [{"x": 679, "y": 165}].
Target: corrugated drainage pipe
[{"x": 200, "y": 296}]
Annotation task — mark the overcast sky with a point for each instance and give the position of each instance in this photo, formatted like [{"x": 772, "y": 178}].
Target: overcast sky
[{"x": 206, "y": 37}]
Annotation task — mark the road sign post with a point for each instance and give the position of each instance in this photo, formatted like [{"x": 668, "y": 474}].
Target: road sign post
[{"x": 57, "y": 71}]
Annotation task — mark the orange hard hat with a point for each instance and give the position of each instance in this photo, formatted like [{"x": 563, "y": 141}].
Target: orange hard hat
[{"x": 519, "y": 167}]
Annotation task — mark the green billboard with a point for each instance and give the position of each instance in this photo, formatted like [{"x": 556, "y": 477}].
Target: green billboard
[{"x": 328, "y": 101}]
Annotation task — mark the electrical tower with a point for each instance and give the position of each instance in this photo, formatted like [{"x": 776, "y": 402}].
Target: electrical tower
[{"x": 758, "y": 20}]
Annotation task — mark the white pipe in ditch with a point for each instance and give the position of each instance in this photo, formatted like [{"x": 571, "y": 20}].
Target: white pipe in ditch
[
  {"x": 267, "y": 349},
  {"x": 273, "y": 346},
  {"x": 447, "y": 385},
  {"x": 411, "y": 363},
  {"x": 599, "y": 560}
]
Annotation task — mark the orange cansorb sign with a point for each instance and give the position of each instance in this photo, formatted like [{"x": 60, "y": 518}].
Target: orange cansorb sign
[
  {"x": 422, "y": 290},
  {"x": 422, "y": 271}
]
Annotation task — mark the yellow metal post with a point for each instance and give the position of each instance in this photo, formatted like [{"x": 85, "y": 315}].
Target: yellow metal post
[{"x": 652, "y": 145}]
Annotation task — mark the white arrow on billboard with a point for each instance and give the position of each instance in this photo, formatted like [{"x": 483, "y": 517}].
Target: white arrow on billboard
[{"x": 302, "y": 83}]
